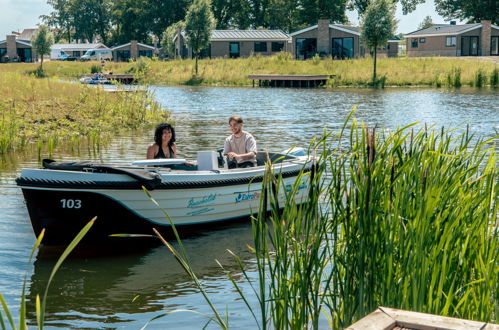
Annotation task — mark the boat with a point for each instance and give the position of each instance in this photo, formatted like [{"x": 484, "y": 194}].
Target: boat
[
  {"x": 63, "y": 196},
  {"x": 95, "y": 80}
]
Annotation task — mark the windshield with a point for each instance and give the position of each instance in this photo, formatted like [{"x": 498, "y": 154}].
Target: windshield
[{"x": 90, "y": 52}]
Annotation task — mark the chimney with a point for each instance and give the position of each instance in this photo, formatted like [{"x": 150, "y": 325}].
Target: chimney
[
  {"x": 323, "y": 39},
  {"x": 485, "y": 37},
  {"x": 134, "y": 49},
  {"x": 452, "y": 22},
  {"x": 11, "y": 46}
]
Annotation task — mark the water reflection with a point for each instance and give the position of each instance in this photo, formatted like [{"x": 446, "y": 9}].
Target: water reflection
[{"x": 101, "y": 281}]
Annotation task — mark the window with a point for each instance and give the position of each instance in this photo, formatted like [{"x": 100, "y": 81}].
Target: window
[
  {"x": 123, "y": 55},
  {"x": 422, "y": 40},
  {"x": 277, "y": 46},
  {"x": 3, "y": 52},
  {"x": 450, "y": 42},
  {"x": 260, "y": 46},
  {"x": 494, "y": 46},
  {"x": 234, "y": 50},
  {"x": 145, "y": 53},
  {"x": 305, "y": 48},
  {"x": 414, "y": 43},
  {"x": 342, "y": 48},
  {"x": 77, "y": 53}
]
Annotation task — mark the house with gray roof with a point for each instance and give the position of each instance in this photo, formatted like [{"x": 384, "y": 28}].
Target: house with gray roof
[
  {"x": 326, "y": 39},
  {"x": 133, "y": 50},
  {"x": 237, "y": 43},
  {"x": 13, "y": 49},
  {"x": 478, "y": 39}
]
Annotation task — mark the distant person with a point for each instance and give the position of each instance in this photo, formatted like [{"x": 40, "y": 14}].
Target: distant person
[
  {"x": 164, "y": 143},
  {"x": 241, "y": 145}
]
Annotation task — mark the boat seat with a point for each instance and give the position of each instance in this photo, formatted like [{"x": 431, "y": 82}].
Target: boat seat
[{"x": 275, "y": 157}]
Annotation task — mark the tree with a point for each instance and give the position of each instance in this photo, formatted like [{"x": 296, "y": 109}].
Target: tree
[
  {"x": 472, "y": 11},
  {"x": 168, "y": 35},
  {"x": 60, "y": 18},
  {"x": 408, "y": 6},
  {"x": 313, "y": 10},
  {"x": 199, "y": 22},
  {"x": 378, "y": 25},
  {"x": 41, "y": 42},
  {"x": 426, "y": 23},
  {"x": 164, "y": 13}
]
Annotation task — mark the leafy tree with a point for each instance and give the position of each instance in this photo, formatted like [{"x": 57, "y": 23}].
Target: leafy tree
[
  {"x": 168, "y": 35},
  {"x": 473, "y": 11},
  {"x": 378, "y": 25},
  {"x": 408, "y": 6},
  {"x": 41, "y": 43},
  {"x": 60, "y": 18},
  {"x": 426, "y": 23},
  {"x": 199, "y": 22},
  {"x": 231, "y": 14},
  {"x": 131, "y": 20},
  {"x": 164, "y": 13},
  {"x": 313, "y": 10},
  {"x": 283, "y": 15}
]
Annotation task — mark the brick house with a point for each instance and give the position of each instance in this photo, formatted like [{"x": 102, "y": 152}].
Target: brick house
[
  {"x": 237, "y": 43},
  {"x": 478, "y": 39},
  {"x": 133, "y": 50},
  {"x": 16, "y": 50}
]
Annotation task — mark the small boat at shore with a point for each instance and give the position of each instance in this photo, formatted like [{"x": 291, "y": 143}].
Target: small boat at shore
[
  {"x": 95, "y": 80},
  {"x": 63, "y": 196}
]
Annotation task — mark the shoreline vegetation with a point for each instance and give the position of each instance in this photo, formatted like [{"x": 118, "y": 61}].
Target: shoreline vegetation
[
  {"x": 392, "y": 72},
  {"x": 44, "y": 112}
]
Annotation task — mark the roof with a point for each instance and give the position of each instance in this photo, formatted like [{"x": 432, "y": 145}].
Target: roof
[
  {"x": 27, "y": 34},
  {"x": 138, "y": 43},
  {"x": 444, "y": 29},
  {"x": 78, "y": 47},
  {"x": 340, "y": 27},
  {"x": 221, "y": 35},
  {"x": 22, "y": 42}
]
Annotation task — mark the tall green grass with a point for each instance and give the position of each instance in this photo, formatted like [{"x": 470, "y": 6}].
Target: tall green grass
[
  {"x": 401, "y": 71},
  {"x": 405, "y": 219},
  {"x": 44, "y": 112}
]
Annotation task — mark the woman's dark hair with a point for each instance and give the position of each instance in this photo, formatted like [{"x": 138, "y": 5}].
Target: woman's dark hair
[{"x": 158, "y": 133}]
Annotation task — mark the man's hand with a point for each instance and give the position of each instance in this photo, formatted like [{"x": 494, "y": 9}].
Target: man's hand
[{"x": 232, "y": 155}]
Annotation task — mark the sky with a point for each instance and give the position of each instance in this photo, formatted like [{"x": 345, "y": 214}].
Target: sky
[{"x": 16, "y": 15}]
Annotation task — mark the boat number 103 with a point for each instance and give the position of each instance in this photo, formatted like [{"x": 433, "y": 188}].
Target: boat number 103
[{"x": 71, "y": 203}]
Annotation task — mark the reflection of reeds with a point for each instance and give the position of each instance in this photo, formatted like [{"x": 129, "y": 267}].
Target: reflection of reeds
[
  {"x": 403, "y": 219},
  {"x": 46, "y": 111}
]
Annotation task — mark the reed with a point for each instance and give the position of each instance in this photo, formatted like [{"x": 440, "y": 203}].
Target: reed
[
  {"x": 406, "y": 219},
  {"x": 46, "y": 112}
]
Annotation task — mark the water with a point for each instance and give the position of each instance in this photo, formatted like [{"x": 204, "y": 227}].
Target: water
[{"x": 124, "y": 287}]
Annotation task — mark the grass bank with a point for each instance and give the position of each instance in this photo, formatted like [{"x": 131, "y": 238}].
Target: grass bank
[
  {"x": 45, "y": 111},
  {"x": 430, "y": 71}
]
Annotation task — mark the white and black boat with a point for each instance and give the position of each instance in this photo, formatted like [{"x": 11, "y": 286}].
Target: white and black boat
[{"x": 63, "y": 196}]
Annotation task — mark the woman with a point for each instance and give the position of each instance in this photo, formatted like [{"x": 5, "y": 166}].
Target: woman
[{"x": 164, "y": 143}]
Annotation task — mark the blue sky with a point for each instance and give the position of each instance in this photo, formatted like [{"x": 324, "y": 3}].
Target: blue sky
[{"x": 16, "y": 15}]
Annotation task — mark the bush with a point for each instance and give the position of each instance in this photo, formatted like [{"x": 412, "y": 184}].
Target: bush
[{"x": 95, "y": 68}]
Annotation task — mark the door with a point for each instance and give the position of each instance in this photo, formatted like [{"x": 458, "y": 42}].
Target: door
[
  {"x": 234, "y": 50},
  {"x": 469, "y": 46}
]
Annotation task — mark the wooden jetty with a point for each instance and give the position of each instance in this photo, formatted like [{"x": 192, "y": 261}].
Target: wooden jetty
[
  {"x": 385, "y": 318},
  {"x": 298, "y": 81},
  {"x": 124, "y": 78}
]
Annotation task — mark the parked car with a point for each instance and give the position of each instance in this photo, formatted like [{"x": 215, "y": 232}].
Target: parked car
[
  {"x": 97, "y": 55},
  {"x": 66, "y": 57}
]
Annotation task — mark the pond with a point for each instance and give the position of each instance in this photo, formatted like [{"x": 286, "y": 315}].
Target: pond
[{"x": 125, "y": 286}]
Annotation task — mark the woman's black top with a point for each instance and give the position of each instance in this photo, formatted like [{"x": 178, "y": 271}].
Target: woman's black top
[{"x": 161, "y": 154}]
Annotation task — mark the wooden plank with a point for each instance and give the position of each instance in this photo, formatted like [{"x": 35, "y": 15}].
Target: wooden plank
[
  {"x": 423, "y": 321},
  {"x": 377, "y": 320}
]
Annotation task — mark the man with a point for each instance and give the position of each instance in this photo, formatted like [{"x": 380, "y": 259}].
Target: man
[{"x": 241, "y": 145}]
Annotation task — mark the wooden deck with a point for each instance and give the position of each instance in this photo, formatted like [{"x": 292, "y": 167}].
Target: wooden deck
[{"x": 293, "y": 81}]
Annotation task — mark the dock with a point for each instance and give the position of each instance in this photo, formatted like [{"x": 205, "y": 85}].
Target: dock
[{"x": 293, "y": 81}]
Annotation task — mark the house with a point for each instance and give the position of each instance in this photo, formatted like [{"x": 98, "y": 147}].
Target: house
[
  {"x": 478, "y": 39},
  {"x": 237, "y": 43},
  {"x": 326, "y": 39},
  {"x": 77, "y": 50},
  {"x": 16, "y": 50},
  {"x": 133, "y": 50}
]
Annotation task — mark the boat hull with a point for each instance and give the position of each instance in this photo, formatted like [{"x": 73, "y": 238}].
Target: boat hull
[{"x": 64, "y": 211}]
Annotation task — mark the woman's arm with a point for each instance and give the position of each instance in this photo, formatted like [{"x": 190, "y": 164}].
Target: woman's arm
[
  {"x": 174, "y": 148},
  {"x": 152, "y": 151}
]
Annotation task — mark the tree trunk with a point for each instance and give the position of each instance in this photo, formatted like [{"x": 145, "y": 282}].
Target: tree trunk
[
  {"x": 41, "y": 63},
  {"x": 196, "y": 64},
  {"x": 374, "y": 73}
]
